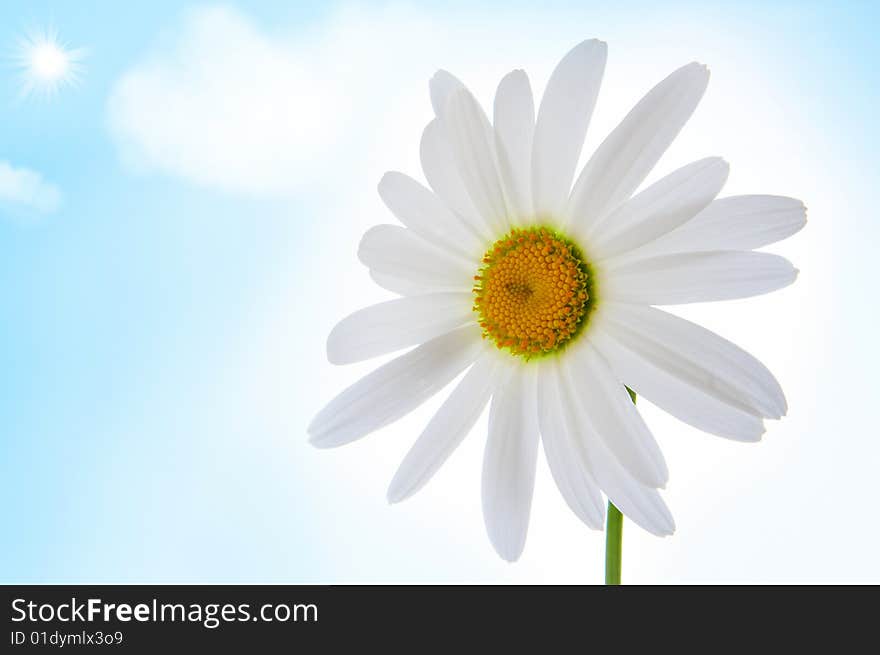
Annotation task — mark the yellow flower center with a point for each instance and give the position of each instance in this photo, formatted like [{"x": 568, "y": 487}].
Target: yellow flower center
[{"x": 533, "y": 292}]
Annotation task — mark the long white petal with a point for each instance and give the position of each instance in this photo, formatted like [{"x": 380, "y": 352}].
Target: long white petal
[
  {"x": 395, "y": 389},
  {"x": 509, "y": 463},
  {"x": 637, "y": 501},
  {"x": 445, "y": 165},
  {"x": 404, "y": 287},
  {"x": 696, "y": 277},
  {"x": 563, "y": 117},
  {"x": 396, "y": 324},
  {"x": 614, "y": 417},
  {"x": 572, "y": 477},
  {"x": 472, "y": 142},
  {"x": 691, "y": 404},
  {"x": 628, "y": 154},
  {"x": 734, "y": 223},
  {"x": 442, "y": 85},
  {"x": 514, "y": 128},
  {"x": 698, "y": 357},
  {"x": 441, "y": 172},
  {"x": 426, "y": 215},
  {"x": 397, "y": 251},
  {"x": 447, "y": 429},
  {"x": 660, "y": 208}
]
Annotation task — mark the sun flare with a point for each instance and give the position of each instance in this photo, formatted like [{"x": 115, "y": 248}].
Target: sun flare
[{"x": 46, "y": 64}]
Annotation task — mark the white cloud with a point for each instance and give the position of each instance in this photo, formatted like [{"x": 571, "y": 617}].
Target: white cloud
[
  {"x": 24, "y": 191},
  {"x": 222, "y": 105}
]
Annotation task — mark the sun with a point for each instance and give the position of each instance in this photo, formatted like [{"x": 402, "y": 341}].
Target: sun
[{"x": 46, "y": 64}]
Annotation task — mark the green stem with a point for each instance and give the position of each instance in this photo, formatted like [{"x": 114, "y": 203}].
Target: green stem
[
  {"x": 614, "y": 536},
  {"x": 613, "y": 545}
]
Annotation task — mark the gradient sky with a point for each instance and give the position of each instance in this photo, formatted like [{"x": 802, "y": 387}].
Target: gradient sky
[{"x": 162, "y": 330}]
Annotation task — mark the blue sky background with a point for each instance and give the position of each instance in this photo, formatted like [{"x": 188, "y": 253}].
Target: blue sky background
[{"x": 161, "y": 334}]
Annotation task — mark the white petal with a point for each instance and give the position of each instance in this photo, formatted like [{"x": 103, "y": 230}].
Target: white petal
[
  {"x": 614, "y": 417},
  {"x": 563, "y": 117},
  {"x": 423, "y": 212},
  {"x": 401, "y": 286},
  {"x": 514, "y": 127},
  {"x": 660, "y": 208},
  {"x": 696, "y": 277},
  {"x": 442, "y": 85},
  {"x": 399, "y": 252},
  {"x": 734, "y": 223},
  {"x": 574, "y": 480},
  {"x": 509, "y": 463},
  {"x": 396, "y": 324},
  {"x": 442, "y": 174},
  {"x": 698, "y": 357},
  {"x": 446, "y": 430},
  {"x": 395, "y": 389},
  {"x": 691, "y": 404},
  {"x": 637, "y": 501},
  {"x": 628, "y": 154},
  {"x": 472, "y": 142}
]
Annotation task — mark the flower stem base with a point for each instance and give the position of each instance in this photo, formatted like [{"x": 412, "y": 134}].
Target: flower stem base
[
  {"x": 614, "y": 535},
  {"x": 613, "y": 545}
]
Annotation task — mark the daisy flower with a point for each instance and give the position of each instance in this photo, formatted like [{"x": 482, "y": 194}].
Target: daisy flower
[{"x": 540, "y": 288}]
